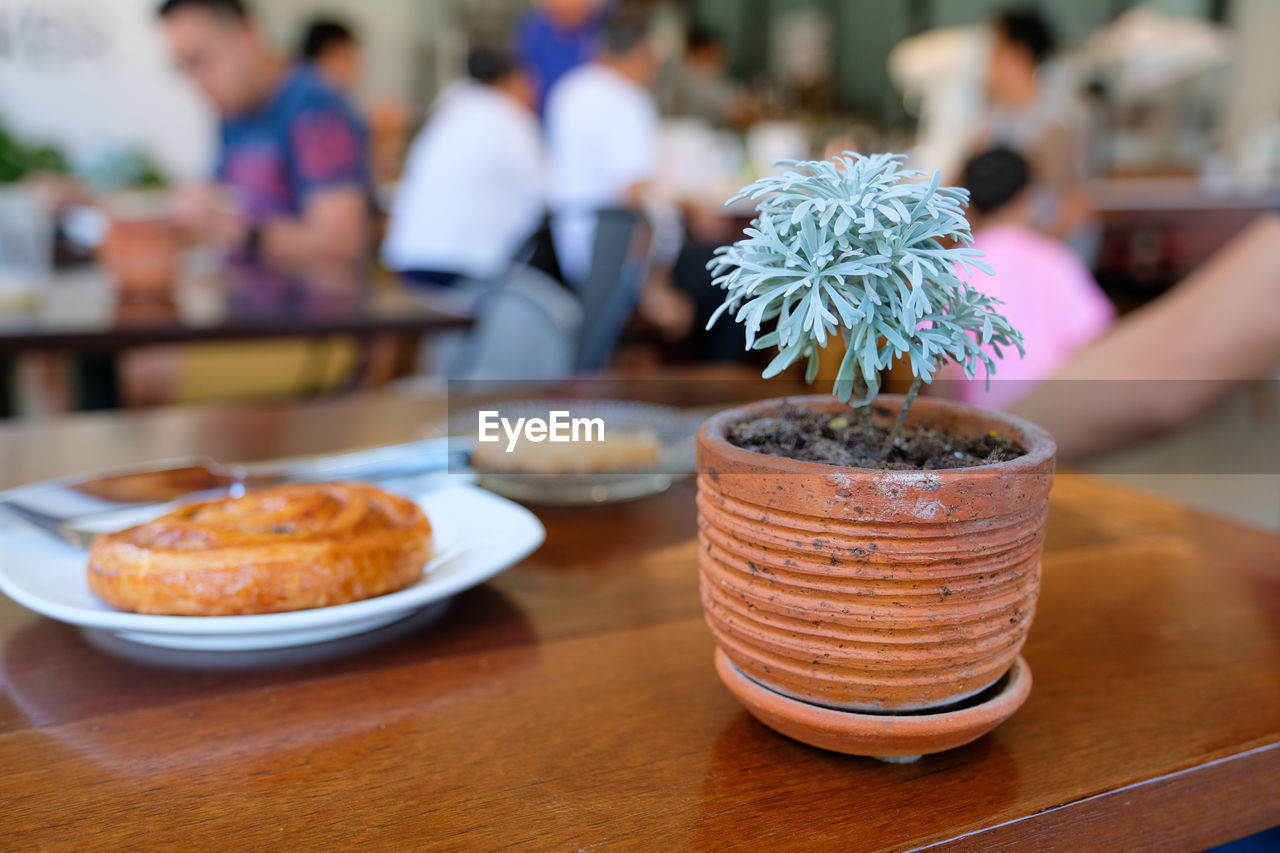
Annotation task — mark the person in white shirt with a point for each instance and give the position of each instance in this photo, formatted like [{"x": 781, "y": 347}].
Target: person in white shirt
[
  {"x": 602, "y": 139},
  {"x": 474, "y": 185}
]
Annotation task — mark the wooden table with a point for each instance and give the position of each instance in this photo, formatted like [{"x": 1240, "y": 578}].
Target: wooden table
[
  {"x": 571, "y": 703},
  {"x": 81, "y": 314}
]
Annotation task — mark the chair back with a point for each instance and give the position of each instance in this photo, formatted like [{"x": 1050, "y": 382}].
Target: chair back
[
  {"x": 526, "y": 327},
  {"x": 619, "y": 263}
]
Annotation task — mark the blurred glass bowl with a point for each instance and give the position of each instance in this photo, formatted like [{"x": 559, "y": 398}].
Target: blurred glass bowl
[{"x": 674, "y": 430}]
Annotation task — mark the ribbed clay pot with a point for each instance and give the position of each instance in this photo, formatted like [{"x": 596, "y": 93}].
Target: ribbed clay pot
[{"x": 867, "y": 590}]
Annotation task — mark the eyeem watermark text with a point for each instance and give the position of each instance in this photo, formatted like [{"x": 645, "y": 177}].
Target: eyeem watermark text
[{"x": 559, "y": 427}]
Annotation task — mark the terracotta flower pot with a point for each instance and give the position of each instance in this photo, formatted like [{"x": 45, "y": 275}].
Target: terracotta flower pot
[{"x": 864, "y": 590}]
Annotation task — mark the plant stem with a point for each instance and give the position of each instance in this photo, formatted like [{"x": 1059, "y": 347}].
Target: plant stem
[
  {"x": 860, "y": 393},
  {"x": 902, "y": 416}
]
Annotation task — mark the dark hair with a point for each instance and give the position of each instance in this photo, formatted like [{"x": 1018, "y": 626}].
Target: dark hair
[
  {"x": 323, "y": 34},
  {"x": 626, "y": 28},
  {"x": 700, "y": 37},
  {"x": 1027, "y": 28},
  {"x": 488, "y": 65},
  {"x": 233, "y": 10},
  {"x": 994, "y": 178}
]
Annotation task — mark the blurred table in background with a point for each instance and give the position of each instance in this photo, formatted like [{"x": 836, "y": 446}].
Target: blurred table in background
[
  {"x": 84, "y": 315},
  {"x": 1155, "y": 231}
]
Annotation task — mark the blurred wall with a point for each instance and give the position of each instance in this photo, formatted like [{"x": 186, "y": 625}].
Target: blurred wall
[
  {"x": 85, "y": 74},
  {"x": 89, "y": 74},
  {"x": 390, "y": 30},
  {"x": 1252, "y": 129},
  {"x": 866, "y": 31}
]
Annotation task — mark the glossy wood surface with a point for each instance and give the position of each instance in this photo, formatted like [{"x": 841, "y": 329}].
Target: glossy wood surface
[{"x": 571, "y": 703}]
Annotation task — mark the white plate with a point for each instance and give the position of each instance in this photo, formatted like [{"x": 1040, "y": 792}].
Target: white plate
[{"x": 477, "y": 535}]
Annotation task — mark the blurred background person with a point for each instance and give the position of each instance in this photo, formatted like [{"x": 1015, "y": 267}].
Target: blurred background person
[
  {"x": 330, "y": 47},
  {"x": 702, "y": 87},
  {"x": 474, "y": 187},
  {"x": 1048, "y": 293},
  {"x": 602, "y": 138},
  {"x": 292, "y": 177},
  {"x": 1028, "y": 113},
  {"x": 556, "y": 36}
]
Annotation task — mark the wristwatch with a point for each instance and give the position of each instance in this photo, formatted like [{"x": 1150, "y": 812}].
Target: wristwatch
[{"x": 253, "y": 242}]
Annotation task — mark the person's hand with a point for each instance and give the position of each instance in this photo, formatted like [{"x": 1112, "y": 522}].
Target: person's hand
[
  {"x": 667, "y": 309},
  {"x": 59, "y": 192},
  {"x": 206, "y": 214}
]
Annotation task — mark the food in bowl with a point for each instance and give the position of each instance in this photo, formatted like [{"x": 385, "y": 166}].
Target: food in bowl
[{"x": 615, "y": 451}]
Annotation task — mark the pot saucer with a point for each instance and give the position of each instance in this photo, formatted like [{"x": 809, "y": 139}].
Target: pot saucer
[{"x": 897, "y": 738}]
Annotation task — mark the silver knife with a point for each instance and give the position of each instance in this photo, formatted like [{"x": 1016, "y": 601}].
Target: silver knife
[{"x": 76, "y": 509}]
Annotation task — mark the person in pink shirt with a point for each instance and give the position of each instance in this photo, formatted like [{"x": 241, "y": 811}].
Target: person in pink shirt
[{"x": 1048, "y": 293}]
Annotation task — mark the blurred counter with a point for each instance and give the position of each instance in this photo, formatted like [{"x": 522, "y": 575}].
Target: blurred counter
[{"x": 1155, "y": 231}]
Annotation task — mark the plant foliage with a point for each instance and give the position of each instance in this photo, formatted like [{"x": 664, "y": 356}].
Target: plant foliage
[{"x": 861, "y": 248}]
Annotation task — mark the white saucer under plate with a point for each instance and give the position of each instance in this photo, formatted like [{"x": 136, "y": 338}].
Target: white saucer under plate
[{"x": 477, "y": 535}]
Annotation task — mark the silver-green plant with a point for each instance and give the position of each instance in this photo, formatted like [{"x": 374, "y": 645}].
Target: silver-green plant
[{"x": 861, "y": 248}]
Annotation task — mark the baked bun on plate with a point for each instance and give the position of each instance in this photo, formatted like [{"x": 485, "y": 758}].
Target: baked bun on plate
[{"x": 290, "y": 547}]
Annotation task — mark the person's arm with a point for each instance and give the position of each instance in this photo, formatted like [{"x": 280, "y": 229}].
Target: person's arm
[
  {"x": 1166, "y": 363},
  {"x": 334, "y": 226},
  {"x": 330, "y": 164},
  {"x": 205, "y": 213}
]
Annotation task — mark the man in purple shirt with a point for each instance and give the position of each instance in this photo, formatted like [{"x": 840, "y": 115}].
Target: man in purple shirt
[
  {"x": 557, "y": 36},
  {"x": 292, "y": 179}
]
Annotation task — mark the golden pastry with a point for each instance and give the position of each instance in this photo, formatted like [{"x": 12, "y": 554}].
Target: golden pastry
[{"x": 284, "y": 548}]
